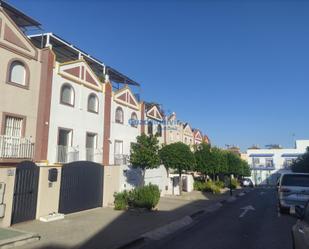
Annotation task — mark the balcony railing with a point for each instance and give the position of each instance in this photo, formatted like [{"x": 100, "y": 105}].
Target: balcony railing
[
  {"x": 16, "y": 147},
  {"x": 262, "y": 167},
  {"x": 67, "y": 154},
  {"x": 120, "y": 159},
  {"x": 94, "y": 155}
]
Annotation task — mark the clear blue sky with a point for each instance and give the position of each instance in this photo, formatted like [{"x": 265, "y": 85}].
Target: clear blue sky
[{"x": 238, "y": 70}]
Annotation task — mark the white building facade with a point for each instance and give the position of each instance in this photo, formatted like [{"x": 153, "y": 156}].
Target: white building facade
[
  {"x": 76, "y": 114},
  {"x": 267, "y": 164},
  {"x": 125, "y": 125},
  {"x": 155, "y": 123}
]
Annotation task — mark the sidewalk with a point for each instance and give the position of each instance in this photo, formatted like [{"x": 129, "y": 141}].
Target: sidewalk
[
  {"x": 11, "y": 238},
  {"x": 107, "y": 228}
]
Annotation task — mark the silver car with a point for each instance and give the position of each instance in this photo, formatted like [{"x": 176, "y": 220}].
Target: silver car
[{"x": 293, "y": 189}]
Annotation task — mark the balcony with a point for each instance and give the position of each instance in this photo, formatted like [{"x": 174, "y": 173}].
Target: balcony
[
  {"x": 262, "y": 167},
  {"x": 67, "y": 154},
  {"x": 120, "y": 159},
  {"x": 16, "y": 148},
  {"x": 94, "y": 155}
]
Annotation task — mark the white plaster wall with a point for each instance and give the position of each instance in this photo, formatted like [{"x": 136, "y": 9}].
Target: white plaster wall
[
  {"x": 122, "y": 132},
  {"x": 76, "y": 118},
  {"x": 131, "y": 178}
]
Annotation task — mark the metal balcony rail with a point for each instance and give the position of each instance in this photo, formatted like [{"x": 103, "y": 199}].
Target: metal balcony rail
[
  {"x": 94, "y": 155},
  {"x": 67, "y": 154},
  {"x": 121, "y": 159},
  {"x": 16, "y": 147}
]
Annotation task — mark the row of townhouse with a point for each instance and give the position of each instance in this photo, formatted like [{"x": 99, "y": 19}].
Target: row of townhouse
[{"x": 59, "y": 107}]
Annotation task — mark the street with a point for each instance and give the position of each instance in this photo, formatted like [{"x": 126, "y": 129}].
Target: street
[{"x": 251, "y": 222}]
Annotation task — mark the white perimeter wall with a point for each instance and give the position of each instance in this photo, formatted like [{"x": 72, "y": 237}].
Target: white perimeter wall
[{"x": 131, "y": 178}]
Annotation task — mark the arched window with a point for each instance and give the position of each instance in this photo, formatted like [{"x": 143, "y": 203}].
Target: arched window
[
  {"x": 17, "y": 73},
  {"x": 159, "y": 130},
  {"x": 133, "y": 120},
  {"x": 150, "y": 128},
  {"x": 119, "y": 115},
  {"x": 67, "y": 95},
  {"x": 93, "y": 103}
]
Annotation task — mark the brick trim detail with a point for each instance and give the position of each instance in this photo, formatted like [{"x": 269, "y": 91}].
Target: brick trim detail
[
  {"x": 142, "y": 117},
  {"x": 41, "y": 144},
  {"x": 107, "y": 122}
]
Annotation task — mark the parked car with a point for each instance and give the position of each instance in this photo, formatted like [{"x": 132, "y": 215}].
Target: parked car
[
  {"x": 246, "y": 182},
  {"x": 300, "y": 231},
  {"x": 293, "y": 189}
]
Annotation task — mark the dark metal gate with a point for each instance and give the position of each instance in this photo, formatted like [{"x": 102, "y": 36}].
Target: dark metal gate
[
  {"x": 81, "y": 186},
  {"x": 25, "y": 192}
]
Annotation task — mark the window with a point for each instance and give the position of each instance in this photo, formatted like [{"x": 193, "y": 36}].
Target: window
[
  {"x": 93, "y": 103},
  {"x": 133, "y": 120},
  {"x": 118, "y": 147},
  {"x": 186, "y": 140},
  {"x": 17, "y": 73},
  {"x": 256, "y": 161},
  {"x": 269, "y": 162},
  {"x": 119, "y": 115},
  {"x": 13, "y": 126},
  {"x": 288, "y": 162},
  {"x": 67, "y": 95},
  {"x": 64, "y": 141},
  {"x": 91, "y": 140},
  {"x": 150, "y": 128},
  {"x": 65, "y": 137},
  {"x": 91, "y": 144},
  {"x": 159, "y": 130}
]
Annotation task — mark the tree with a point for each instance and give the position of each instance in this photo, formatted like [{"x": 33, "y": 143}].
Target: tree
[
  {"x": 177, "y": 156},
  {"x": 203, "y": 158},
  {"x": 145, "y": 154},
  {"x": 245, "y": 168},
  {"x": 234, "y": 163},
  {"x": 301, "y": 165}
]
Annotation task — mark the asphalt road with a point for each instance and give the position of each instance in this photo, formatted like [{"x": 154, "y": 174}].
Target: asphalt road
[{"x": 233, "y": 227}]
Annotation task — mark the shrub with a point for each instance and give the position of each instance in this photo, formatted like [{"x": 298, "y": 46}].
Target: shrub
[
  {"x": 234, "y": 183},
  {"x": 199, "y": 185},
  {"x": 142, "y": 197},
  {"x": 219, "y": 184},
  {"x": 121, "y": 200},
  {"x": 207, "y": 187},
  {"x": 146, "y": 197}
]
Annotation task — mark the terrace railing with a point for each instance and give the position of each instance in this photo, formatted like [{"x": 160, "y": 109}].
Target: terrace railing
[{"x": 16, "y": 147}]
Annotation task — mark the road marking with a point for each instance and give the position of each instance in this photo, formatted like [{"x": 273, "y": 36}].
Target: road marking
[{"x": 246, "y": 209}]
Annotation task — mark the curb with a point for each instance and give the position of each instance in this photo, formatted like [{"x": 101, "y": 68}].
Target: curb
[
  {"x": 19, "y": 240},
  {"x": 170, "y": 228}
]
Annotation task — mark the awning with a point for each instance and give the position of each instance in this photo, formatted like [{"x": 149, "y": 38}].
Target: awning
[
  {"x": 261, "y": 155},
  {"x": 291, "y": 154},
  {"x": 21, "y": 19}
]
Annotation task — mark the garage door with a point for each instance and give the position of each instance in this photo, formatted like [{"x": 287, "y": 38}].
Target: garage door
[{"x": 81, "y": 187}]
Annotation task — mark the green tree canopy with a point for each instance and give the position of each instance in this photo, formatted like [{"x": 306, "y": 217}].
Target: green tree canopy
[
  {"x": 203, "y": 159},
  {"x": 177, "y": 156},
  {"x": 301, "y": 165},
  {"x": 145, "y": 153}
]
